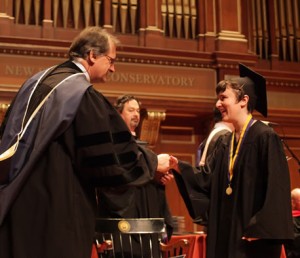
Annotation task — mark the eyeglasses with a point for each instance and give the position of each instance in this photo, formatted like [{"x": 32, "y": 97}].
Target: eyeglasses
[{"x": 110, "y": 59}]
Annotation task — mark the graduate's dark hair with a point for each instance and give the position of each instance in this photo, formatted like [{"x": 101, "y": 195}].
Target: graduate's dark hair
[
  {"x": 120, "y": 102},
  {"x": 237, "y": 88},
  {"x": 93, "y": 39}
]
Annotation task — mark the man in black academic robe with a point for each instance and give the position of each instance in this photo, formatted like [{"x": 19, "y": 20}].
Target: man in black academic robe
[
  {"x": 76, "y": 141},
  {"x": 143, "y": 201}
]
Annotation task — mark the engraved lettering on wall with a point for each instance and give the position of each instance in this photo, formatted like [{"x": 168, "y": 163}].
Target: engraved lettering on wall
[
  {"x": 153, "y": 79},
  {"x": 20, "y": 70}
]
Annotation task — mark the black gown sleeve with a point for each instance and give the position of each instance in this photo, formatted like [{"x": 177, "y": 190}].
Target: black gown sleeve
[
  {"x": 106, "y": 152},
  {"x": 194, "y": 183}
]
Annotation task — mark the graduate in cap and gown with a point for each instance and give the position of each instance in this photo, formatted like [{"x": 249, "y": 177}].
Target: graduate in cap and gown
[{"x": 246, "y": 186}]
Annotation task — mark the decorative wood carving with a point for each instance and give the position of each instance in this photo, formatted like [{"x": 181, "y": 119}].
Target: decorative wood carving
[
  {"x": 3, "y": 109},
  {"x": 150, "y": 126}
]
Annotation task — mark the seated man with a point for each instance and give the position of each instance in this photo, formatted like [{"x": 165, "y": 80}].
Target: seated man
[{"x": 146, "y": 201}]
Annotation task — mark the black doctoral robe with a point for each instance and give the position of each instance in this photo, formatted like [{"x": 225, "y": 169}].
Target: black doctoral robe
[
  {"x": 259, "y": 206},
  {"x": 76, "y": 142}
]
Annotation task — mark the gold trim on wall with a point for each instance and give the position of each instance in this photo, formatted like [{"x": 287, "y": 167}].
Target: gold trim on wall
[{"x": 151, "y": 125}]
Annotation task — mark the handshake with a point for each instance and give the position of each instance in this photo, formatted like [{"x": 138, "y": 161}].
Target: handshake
[{"x": 166, "y": 162}]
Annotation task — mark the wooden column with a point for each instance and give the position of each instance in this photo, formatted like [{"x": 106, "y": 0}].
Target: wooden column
[
  {"x": 107, "y": 10},
  {"x": 273, "y": 31},
  {"x": 6, "y": 18},
  {"x": 229, "y": 27},
  {"x": 151, "y": 34},
  {"x": 48, "y": 30},
  {"x": 6, "y": 8},
  {"x": 207, "y": 25}
]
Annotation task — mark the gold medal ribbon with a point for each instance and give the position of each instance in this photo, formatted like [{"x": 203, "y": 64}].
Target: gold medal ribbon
[{"x": 232, "y": 158}]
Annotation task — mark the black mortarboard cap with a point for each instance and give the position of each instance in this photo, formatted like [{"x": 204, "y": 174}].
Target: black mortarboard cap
[{"x": 255, "y": 88}]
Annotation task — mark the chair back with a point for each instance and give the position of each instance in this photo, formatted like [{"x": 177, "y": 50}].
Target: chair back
[{"x": 130, "y": 238}]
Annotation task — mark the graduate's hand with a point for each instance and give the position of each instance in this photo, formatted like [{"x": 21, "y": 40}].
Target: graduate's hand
[
  {"x": 166, "y": 178},
  {"x": 163, "y": 165},
  {"x": 163, "y": 178}
]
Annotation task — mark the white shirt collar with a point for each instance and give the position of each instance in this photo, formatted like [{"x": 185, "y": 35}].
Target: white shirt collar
[
  {"x": 82, "y": 68},
  {"x": 222, "y": 125}
]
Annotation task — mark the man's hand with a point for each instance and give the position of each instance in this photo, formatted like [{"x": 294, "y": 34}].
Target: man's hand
[{"x": 163, "y": 163}]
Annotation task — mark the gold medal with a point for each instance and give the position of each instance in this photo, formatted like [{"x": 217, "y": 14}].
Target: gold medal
[{"x": 229, "y": 190}]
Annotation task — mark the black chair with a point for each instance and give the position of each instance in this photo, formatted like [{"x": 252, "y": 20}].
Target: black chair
[{"x": 133, "y": 238}]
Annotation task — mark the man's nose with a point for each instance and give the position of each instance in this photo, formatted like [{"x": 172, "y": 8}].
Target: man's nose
[{"x": 112, "y": 68}]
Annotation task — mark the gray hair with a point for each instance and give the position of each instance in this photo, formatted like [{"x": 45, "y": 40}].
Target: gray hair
[{"x": 93, "y": 39}]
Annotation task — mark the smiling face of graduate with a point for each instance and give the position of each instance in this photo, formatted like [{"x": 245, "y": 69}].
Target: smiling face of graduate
[{"x": 229, "y": 105}]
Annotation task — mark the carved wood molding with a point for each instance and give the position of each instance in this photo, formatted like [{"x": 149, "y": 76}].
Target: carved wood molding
[
  {"x": 3, "y": 109},
  {"x": 166, "y": 57},
  {"x": 150, "y": 126}
]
